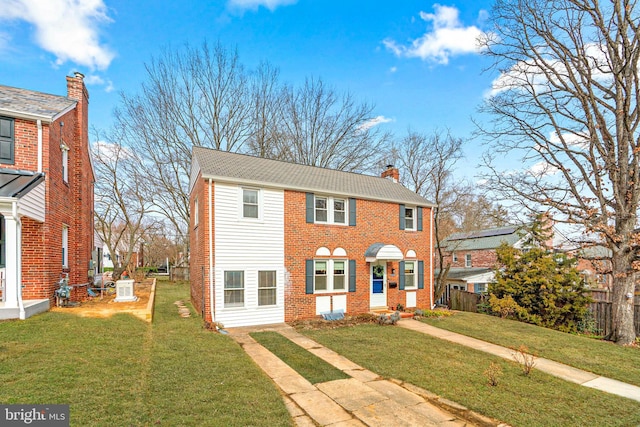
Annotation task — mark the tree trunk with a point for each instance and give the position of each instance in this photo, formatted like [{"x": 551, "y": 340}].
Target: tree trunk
[{"x": 623, "y": 328}]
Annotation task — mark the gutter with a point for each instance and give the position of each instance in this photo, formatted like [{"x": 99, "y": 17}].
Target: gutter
[
  {"x": 39, "y": 123},
  {"x": 212, "y": 301},
  {"x": 433, "y": 303}
]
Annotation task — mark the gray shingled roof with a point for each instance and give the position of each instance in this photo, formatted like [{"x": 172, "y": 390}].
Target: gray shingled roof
[
  {"x": 223, "y": 166},
  {"x": 15, "y": 102},
  {"x": 484, "y": 239}
]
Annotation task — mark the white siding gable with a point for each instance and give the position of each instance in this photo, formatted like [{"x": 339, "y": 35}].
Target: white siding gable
[
  {"x": 32, "y": 203},
  {"x": 249, "y": 245}
]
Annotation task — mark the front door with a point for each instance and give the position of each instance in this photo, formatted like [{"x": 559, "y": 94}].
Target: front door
[{"x": 378, "y": 294}]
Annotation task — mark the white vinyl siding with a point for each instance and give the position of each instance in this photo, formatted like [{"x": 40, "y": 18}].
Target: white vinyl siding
[
  {"x": 252, "y": 246},
  {"x": 32, "y": 203}
]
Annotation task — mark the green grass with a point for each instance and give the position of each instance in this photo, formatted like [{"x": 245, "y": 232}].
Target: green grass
[
  {"x": 310, "y": 366},
  {"x": 600, "y": 357},
  {"x": 122, "y": 371},
  {"x": 457, "y": 373}
]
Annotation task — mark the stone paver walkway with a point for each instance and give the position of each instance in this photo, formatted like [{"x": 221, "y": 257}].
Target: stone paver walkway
[
  {"x": 365, "y": 399},
  {"x": 568, "y": 373}
]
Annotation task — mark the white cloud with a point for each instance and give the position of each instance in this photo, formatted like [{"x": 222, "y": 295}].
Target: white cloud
[
  {"x": 542, "y": 168},
  {"x": 375, "y": 122},
  {"x": 393, "y": 69},
  {"x": 66, "y": 28},
  {"x": 447, "y": 37},
  {"x": 255, "y": 4},
  {"x": 96, "y": 80}
]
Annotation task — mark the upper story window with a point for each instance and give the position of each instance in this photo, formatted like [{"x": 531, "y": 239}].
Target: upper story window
[
  {"x": 467, "y": 260},
  {"x": 409, "y": 219},
  {"x": 65, "y": 162},
  {"x": 330, "y": 210},
  {"x": 455, "y": 257},
  {"x": 195, "y": 212},
  {"x": 7, "y": 140},
  {"x": 250, "y": 203}
]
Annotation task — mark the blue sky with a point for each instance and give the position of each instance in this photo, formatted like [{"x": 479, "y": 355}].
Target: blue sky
[{"x": 415, "y": 60}]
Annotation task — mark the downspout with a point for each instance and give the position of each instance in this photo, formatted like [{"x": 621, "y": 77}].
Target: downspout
[
  {"x": 39, "y": 145},
  {"x": 433, "y": 304},
  {"x": 14, "y": 213},
  {"x": 211, "y": 293}
]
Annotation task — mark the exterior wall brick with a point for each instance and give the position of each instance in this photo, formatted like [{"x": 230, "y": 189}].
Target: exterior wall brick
[
  {"x": 69, "y": 203},
  {"x": 199, "y": 248},
  {"x": 479, "y": 258}
]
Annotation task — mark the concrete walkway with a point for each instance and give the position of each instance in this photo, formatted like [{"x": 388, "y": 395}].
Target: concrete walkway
[
  {"x": 365, "y": 399},
  {"x": 568, "y": 373}
]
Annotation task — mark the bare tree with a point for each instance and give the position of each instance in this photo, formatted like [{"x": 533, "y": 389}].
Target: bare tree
[
  {"x": 321, "y": 127},
  {"x": 566, "y": 106},
  {"x": 121, "y": 209}
]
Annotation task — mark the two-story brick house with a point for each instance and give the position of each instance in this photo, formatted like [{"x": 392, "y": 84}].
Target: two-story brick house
[
  {"x": 46, "y": 196},
  {"x": 273, "y": 241}
]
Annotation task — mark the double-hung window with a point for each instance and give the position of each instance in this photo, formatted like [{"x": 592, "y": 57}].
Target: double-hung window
[
  {"x": 409, "y": 220},
  {"x": 266, "y": 288},
  {"x": 233, "y": 289},
  {"x": 250, "y": 203},
  {"x": 330, "y": 210},
  {"x": 410, "y": 275},
  {"x": 330, "y": 275},
  {"x": 65, "y": 162},
  {"x": 467, "y": 260}
]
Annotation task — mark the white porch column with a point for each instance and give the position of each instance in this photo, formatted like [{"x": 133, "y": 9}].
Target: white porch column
[{"x": 12, "y": 258}]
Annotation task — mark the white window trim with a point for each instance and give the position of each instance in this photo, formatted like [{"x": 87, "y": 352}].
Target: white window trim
[
  {"x": 454, "y": 257},
  {"x": 241, "y": 204},
  {"x": 331, "y": 210},
  {"x": 65, "y": 246},
  {"x": 235, "y": 306},
  {"x": 467, "y": 261},
  {"x": 414, "y": 285},
  {"x": 413, "y": 217},
  {"x": 330, "y": 276},
  {"x": 195, "y": 212},
  {"x": 65, "y": 162},
  {"x": 274, "y": 287}
]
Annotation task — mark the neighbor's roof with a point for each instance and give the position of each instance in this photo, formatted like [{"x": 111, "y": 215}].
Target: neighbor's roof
[
  {"x": 31, "y": 105},
  {"x": 222, "y": 166},
  {"x": 484, "y": 239}
]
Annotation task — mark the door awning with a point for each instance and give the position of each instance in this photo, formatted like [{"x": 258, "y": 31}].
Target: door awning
[
  {"x": 16, "y": 183},
  {"x": 383, "y": 252}
]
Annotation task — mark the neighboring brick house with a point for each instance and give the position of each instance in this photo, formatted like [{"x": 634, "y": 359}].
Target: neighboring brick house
[
  {"x": 46, "y": 196},
  {"x": 472, "y": 255},
  {"x": 273, "y": 241}
]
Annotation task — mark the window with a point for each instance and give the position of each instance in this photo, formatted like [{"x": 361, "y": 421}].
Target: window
[
  {"x": 65, "y": 246},
  {"x": 7, "y": 140},
  {"x": 234, "y": 289},
  {"x": 195, "y": 212},
  {"x": 266, "y": 288},
  {"x": 409, "y": 274},
  {"x": 65, "y": 162},
  {"x": 455, "y": 257},
  {"x": 339, "y": 214},
  {"x": 408, "y": 218},
  {"x": 338, "y": 275},
  {"x": 330, "y": 275},
  {"x": 330, "y": 210},
  {"x": 480, "y": 288},
  {"x": 250, "y": 205},
  {"x": 467, "y": 260}
]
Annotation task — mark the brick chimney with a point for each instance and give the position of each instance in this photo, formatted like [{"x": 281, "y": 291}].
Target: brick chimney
[{"x": 391, "y": 173}]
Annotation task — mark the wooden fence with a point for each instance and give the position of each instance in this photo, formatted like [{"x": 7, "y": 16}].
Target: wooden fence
[
  {"x": 602, "y": 316},
  {"x": 464, "y": 301}
]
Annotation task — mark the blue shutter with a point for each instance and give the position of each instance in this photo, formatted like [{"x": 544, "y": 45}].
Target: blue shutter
[
  {"x": 310, "y": 209},
  {"x": 352, "y": 212},
  {"x": 309, "y": 276},
  {"x": 401, "y": 217},
  {"x": 420, "y": 274},
  {"x": 402, "y": 278},
  {"x": 476, "y": 288},
  {"x": 352, "y": 275},
  {"x": 6, "y": 140},
  {"x": 419, "y": 219}
]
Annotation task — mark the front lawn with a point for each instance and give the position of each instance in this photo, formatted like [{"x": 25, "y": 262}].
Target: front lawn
[
  {"x": 600, "y": 357},
  {"x": 457, "y": 373},
  {"x": 122, "y": 371}
]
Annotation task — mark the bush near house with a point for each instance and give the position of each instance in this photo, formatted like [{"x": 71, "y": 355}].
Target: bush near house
[{"x": 540, "y": 287}]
